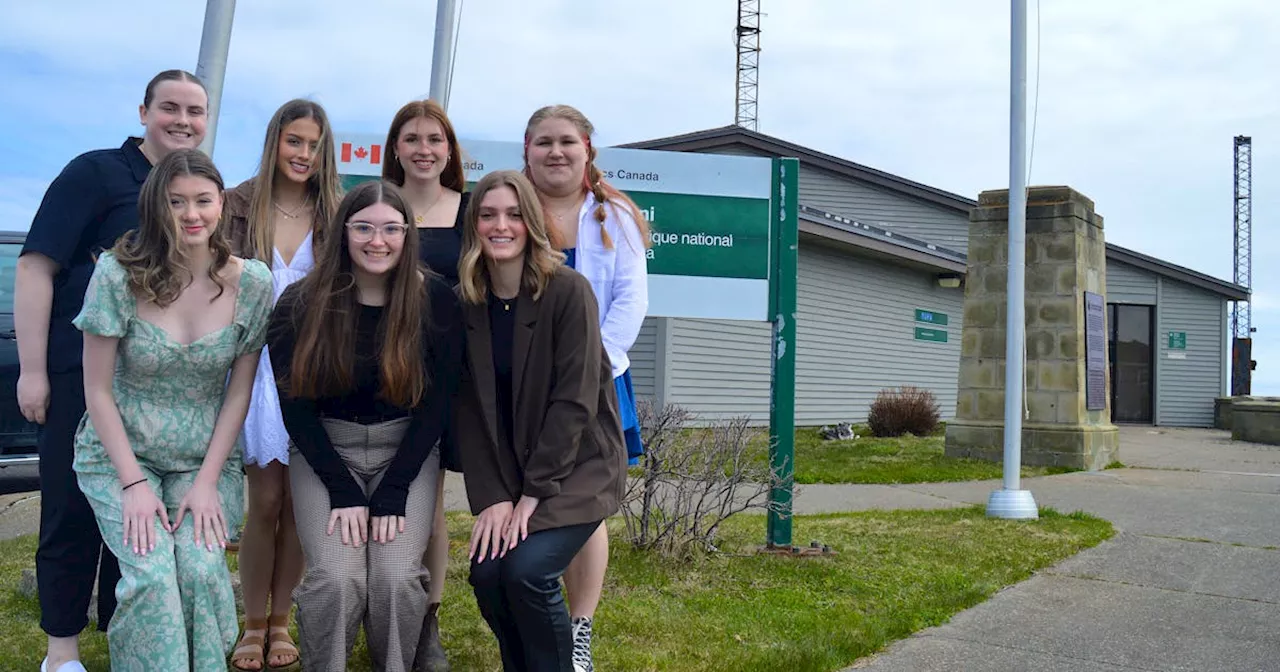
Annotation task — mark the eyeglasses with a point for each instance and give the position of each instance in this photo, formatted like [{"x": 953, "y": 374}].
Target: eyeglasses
[{"x": 362, "y": 232}]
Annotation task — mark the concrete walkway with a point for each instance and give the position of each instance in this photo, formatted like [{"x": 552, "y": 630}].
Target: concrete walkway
[{"x": 1188, "y": 583}]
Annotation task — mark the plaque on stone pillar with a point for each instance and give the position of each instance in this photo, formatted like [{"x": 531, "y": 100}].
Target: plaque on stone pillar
[{"x": 1095, "y": 372}]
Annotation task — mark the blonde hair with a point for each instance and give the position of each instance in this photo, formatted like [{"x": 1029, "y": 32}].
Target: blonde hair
[
  {"x": 323, "y": 185},
  {"x": 592, "y": 177},
  {"x": 151, "y": 254},
  {"x": 540, "y": 259}
]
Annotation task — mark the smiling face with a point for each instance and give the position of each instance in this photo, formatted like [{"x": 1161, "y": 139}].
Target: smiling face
[
  {"x": 375, "y": 239},
  {"x": 557, "y": 156},
  {"x": 422, "y": 149},
  {"x": 177, "y": 117},
  {"x": 500, "y": 226},
  {"x": 298, "y": 153},
  {"x": 196, "y": 205}
]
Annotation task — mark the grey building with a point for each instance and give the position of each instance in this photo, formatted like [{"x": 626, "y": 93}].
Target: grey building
[{"x": 880, "y": 299}]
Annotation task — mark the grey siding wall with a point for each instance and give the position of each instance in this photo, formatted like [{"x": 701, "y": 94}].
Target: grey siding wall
[
  {"x": 1126, "y": 284},
  {"x": 877, "y": 207},
  {"x": 720, "y": 368},
  {"x": 644, "y": 359},
  {"x": 1186, "y": 388},
  {"x": 854, "y": 336}
]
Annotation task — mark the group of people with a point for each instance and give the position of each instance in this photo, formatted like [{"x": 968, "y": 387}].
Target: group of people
[{"x": 332, "y": 355}]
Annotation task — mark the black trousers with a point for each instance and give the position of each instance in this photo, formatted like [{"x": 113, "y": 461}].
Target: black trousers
[
  {"x": 71, "y": 553},
  {"x": 519, "y": 596}
]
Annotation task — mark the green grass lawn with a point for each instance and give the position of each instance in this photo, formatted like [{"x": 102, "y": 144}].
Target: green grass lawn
[
  {"x": 913, "y": 459},
  {"x": 894, "y": 573}
]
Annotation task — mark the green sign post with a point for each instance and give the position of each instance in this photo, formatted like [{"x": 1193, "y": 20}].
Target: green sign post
[
  {"x": 725, "y": 244},
  {"x": 1177, "y": 340},
  {"x": 782, "y": 312}
]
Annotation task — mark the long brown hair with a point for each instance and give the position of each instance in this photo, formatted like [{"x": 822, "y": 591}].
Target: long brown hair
[
  {"x": 592, "y": 177},
  {"x": 452, "y": 176},
  {"x": 540, "y": 258},
  {"x": 326, "y": 300},
  {"x": 151, "y": 254},
  {"x": 324, "y": 185}
]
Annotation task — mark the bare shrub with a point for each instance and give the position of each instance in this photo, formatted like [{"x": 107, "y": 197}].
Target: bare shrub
[
  {"x": 905, "y": 410},
  {"x": 693, "y": 479}
]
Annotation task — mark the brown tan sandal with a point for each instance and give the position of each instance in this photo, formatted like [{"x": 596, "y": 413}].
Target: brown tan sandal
[
  {"x": 250, "y": 648},
  {"x": 280, "y": 643}
]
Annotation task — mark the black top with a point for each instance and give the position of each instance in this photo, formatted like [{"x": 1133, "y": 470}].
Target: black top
[
  {"x": 502, "y": 327},
  {"x": 439, "y": 248},
  {"x": 443, "y": 338},
  {"x": 92, "y": 202}
]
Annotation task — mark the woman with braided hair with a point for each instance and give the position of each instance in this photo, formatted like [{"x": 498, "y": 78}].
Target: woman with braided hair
[{"x": 604, "y": 237}]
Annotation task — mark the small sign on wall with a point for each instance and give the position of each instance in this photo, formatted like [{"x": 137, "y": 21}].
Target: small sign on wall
[
  {"x": 1177, "y": 340},
  {"x": 936, "y": 335},
  {"x": 930, "y": 316}
]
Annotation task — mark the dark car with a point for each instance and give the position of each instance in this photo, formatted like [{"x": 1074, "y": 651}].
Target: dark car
[{"x": 17, "y": 436}]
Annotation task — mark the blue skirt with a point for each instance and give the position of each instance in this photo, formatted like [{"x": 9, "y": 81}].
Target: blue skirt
[{"x": 630, "y": 421}]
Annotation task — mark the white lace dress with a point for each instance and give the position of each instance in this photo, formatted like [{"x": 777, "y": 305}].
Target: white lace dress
[{"x": 265, "y": 438}]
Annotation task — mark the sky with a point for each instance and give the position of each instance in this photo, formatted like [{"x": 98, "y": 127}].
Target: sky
[{"x": 1135, "y": 103}]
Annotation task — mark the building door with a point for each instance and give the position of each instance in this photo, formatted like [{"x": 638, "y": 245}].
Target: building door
[{"x": 1130, "y": 341}]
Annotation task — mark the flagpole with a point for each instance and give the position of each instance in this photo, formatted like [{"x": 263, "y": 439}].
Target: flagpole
[
  {"x": 442, "y": 53},
  {"x": 1012, "y": 501},
  {"x": 211, "y": 64}
]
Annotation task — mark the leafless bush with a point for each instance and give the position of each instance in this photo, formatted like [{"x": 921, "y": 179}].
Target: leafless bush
[
  {"x": 693, "y": 479},
  {"x": 905, "y": 410}
]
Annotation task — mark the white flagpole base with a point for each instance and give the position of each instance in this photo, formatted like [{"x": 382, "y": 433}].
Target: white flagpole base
[{"x": 1012, "y": 505}]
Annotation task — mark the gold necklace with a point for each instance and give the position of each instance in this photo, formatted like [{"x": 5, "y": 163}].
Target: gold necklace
[
  {"x": 294, "y": 214},
  {"x": 418, "y": 219}
]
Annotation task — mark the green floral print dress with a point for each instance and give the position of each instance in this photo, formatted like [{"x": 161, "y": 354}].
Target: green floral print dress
[{"x": 176, "y": 608}]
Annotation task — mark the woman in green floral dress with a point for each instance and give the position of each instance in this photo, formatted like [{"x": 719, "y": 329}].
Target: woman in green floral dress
[{"x": 173, "y": 327}]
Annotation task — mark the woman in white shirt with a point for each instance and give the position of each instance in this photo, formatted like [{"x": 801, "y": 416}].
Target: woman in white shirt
[{"x": 604, "y": 236}]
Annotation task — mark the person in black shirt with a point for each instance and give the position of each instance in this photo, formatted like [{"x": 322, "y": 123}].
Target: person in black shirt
[
  {"x": 426, "y": 163},
  {"x": 367, "y": 351},
  {"x": 92, "y": 202}
]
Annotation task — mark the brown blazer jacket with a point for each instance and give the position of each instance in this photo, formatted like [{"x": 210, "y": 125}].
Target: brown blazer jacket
[
  {"x": 568, "y": 449},
  {"x": 235, "y": 220}
]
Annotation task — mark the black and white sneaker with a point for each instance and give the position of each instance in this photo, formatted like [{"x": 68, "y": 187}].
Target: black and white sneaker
[{"x": 582, "y": 645}]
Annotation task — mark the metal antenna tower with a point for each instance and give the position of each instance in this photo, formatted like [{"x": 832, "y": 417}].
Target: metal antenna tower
[
  {"x": 748, "y": 41},
  {"x": 1242, "y": 315}
]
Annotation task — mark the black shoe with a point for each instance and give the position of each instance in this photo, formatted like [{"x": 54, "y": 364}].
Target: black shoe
[{"x": 430, "y": 656}]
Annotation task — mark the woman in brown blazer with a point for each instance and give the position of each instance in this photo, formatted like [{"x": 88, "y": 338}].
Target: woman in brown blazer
[{"x": 537, "y": 421}]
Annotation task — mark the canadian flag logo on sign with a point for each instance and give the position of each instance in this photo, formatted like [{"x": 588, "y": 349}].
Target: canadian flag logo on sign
[{"x": 371, "y": 155}]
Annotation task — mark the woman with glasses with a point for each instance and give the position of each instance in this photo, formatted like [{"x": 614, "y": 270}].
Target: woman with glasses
[{"x": 367, "y": 351}]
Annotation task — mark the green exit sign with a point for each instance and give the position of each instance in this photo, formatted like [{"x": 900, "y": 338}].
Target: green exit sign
[
  {"x": 1177, "y": 340},
  {"x": 935, "y": 335},
  {"x": 930, "y": 317}
]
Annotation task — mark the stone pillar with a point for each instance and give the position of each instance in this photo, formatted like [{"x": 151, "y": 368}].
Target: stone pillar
[{"x": 1066, "y": 257}]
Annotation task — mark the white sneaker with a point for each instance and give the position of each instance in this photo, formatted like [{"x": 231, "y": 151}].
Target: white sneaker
[
  {"x": 70, "y": 666},
  {"x": 582, "y": 645}
]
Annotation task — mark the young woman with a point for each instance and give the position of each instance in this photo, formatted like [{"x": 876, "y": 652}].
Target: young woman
[
  {"x": 367, "y": 352},
  {"x": 277, "y": 217},
  {"x": 537, "y": 422},
  {"x": 173, "y": 326},
  {"x": 426, "y": 163},
  {"x": 87, "y": 208},
  {"x": 604, "y": 236}
]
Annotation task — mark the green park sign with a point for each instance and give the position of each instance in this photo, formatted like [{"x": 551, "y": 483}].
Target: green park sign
[{"x": 724, "y": 246}]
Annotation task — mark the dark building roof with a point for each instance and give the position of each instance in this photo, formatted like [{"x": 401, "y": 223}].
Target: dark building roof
[{"x": 889, "y": 241}]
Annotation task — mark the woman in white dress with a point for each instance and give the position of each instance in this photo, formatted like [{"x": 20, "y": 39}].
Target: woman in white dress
[{"x": 277, "y": 216}]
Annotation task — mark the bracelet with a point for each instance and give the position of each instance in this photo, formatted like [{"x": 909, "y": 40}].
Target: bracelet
[{"x": 140, "y": 480}]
